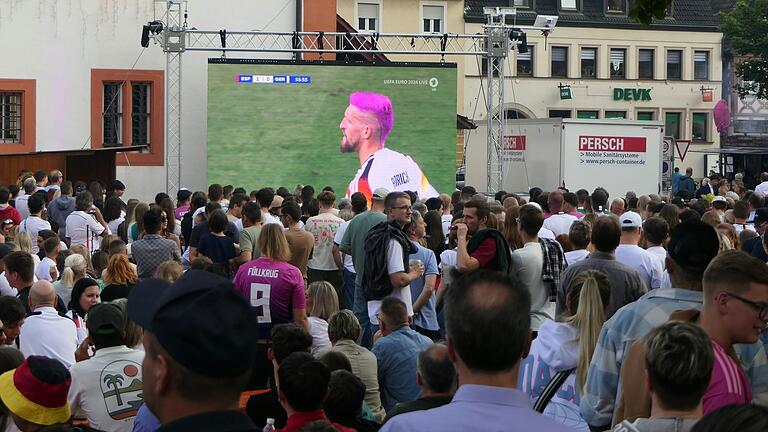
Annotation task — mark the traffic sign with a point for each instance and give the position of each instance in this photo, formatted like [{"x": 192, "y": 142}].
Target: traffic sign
[{"x": 682, "y": 148}]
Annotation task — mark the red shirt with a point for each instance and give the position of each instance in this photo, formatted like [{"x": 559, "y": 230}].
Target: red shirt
[
  {"x": 299, "y": 419},
  {"x": 10, "y": 213},
  {"x": 485, "y": 253}
]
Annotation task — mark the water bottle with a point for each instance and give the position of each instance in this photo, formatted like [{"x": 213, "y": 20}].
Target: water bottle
[{"x": 270, "y": 427}]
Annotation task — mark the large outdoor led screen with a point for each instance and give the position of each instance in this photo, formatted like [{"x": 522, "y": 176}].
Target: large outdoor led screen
[{"x": 282, "y": 123}]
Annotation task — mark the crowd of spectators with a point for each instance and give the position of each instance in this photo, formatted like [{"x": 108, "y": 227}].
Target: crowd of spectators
[{"x": 228, "y": 310}]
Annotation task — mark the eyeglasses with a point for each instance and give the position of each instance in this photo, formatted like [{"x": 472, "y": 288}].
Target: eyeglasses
[
  {"x": 163, "y": 219},
  {"x": 762, "y": 308}
]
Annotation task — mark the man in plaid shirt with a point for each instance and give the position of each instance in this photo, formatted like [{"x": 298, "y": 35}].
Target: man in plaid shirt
[{"x": 692, "y": 247}]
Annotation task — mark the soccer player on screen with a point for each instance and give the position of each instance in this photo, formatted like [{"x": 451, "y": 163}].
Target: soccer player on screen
[{"x": 367, "y": 121}]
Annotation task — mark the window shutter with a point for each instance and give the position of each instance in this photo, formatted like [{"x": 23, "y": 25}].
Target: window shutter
[
  {"x": 368, "y": 10},
  {"x": 588, "y": 54}
]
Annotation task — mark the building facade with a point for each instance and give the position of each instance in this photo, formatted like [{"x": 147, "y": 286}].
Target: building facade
[
  {"x": 598, "y": 63},
  {"x": 745, "y": 142},
  {"x": 77, "y": 77}
]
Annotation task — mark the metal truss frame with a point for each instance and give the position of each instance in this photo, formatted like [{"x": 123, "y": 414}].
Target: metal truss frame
[{"x": 494, "y": 44}]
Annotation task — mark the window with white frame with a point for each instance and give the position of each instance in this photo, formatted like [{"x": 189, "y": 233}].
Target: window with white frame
[
  {"x": 559, "y": 62},
  {"x": 432, "y": 19},
  {"x": 525, "y": 62},
  {"x": 674, "y": 64},
  {"x": 618, "y": 63},
  {"x": 701, "y": 65},
  {"x": 645, "y": 64},
  {"x": 368, "y": 17},
  {"x": 569, "y": 5},
  {"x": 589, "y": 62}
]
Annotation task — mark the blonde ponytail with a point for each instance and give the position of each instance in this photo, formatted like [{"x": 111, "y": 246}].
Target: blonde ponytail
[
  {"x": 74, "y": 264},
  {"x": 589, "y": 295}
]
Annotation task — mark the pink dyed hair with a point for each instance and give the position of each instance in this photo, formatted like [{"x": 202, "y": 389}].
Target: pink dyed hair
[{"x": 377, "y": 104}]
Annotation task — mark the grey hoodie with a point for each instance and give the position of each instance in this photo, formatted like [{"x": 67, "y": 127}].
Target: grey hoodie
[{"x": 58, "y": 210}]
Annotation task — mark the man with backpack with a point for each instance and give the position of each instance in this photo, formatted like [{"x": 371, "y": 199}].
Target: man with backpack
[{"x": 387, "y": 248}]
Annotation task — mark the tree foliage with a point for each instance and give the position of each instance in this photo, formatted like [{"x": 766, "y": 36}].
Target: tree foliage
[
  {"x": 746, "y": 27},
  {"x": 645, "y": 11}
]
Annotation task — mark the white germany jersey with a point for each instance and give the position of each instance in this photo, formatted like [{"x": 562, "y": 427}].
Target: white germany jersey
[{"x": 393, "y": 171}]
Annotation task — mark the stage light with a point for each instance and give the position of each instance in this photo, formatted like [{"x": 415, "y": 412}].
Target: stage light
[
  {"x": 153, "y": 27},
  {"x": 518, "y": 35},
  {"x": 145, "y": 36}
]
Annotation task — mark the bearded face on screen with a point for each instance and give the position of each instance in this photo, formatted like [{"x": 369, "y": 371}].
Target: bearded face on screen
[{"x": 356, "y": 127}]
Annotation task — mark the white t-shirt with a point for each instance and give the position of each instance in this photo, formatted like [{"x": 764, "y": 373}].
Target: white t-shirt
[
  {"x": 83, "y": 229},
  {"x": 323, "y": 228},
  {"x": 92, "y": 394},
  {"x": 393, "y": 171},
  {"x": 576, "y": 256},
  {"x": 647, "y": 265},
  {"x": 268, "y": 218},
  {"x": 546, "y": 234},
  {"x": 22, "y": 205},
  {"x": 446, "y": 219},
  {"x": 32, "y": 225},
  {"x": 337, "y": 240},
  {"x": 114, "y": 224},
  {"x": 660, "y": 254},
  {"x": 5, "y": 287},
  {"x": 762, "y": 188},
  {"x": 559, "y": 223},
  {"x": 49, "y": 334},
  {"x": 394, "y": 265},
  {"x": 527, "y": 263},
  {"x": 448, "y": 258},
  {"x": 741, "y": 227},
  {"x": 43, "y": 271},
  {"x": 318, "y": 328}
]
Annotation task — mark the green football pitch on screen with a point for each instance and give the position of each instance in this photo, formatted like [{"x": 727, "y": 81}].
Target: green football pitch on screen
[{"x": 277, "y": 124}]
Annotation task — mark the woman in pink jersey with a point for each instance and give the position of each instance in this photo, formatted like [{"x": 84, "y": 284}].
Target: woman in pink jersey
[{"x": 275, "y": 289}]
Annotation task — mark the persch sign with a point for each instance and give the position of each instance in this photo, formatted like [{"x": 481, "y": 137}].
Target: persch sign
[{"x": 628, "y": 94}]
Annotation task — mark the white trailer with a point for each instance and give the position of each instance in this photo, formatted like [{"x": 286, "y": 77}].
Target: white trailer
[{"x": 619, "y": 155}]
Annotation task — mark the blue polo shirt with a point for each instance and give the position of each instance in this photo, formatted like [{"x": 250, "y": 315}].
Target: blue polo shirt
[{"x": 397, "y": 358}]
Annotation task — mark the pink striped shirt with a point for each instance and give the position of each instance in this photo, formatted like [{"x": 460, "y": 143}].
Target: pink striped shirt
[{"x": 728, "y": 385}]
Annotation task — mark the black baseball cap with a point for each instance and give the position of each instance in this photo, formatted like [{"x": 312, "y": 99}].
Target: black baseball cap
[
  {"x": 105, "y": 318},
  {"x": 116, "y": 185},
  {"x": 201, "y": 321},
  {"x": 693, "y": 245}
]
